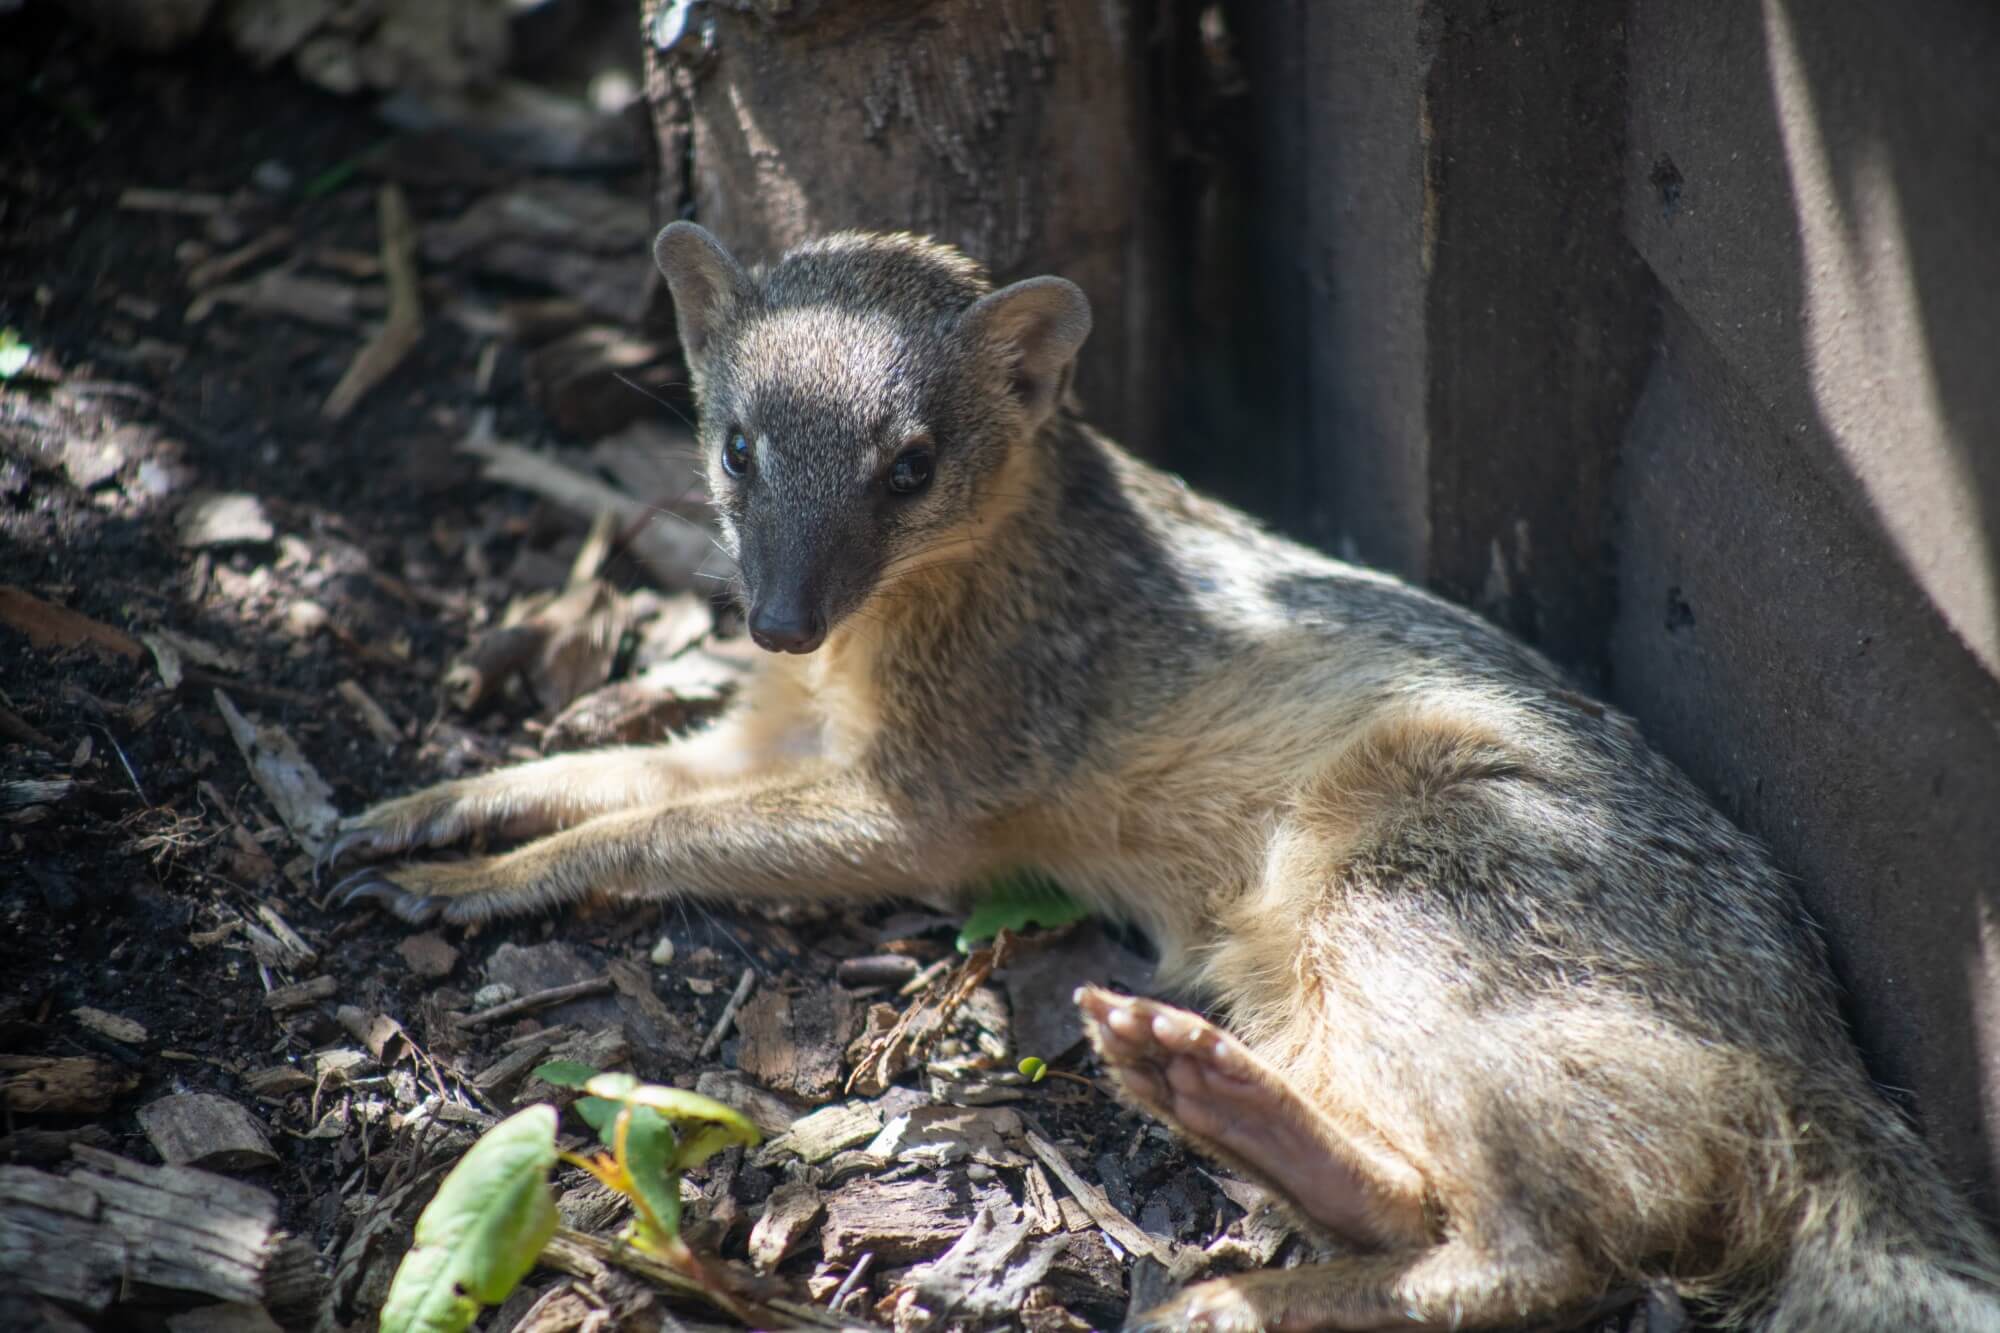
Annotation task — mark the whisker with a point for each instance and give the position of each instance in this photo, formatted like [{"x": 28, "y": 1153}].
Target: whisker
[{"x": 638, "y": 388}]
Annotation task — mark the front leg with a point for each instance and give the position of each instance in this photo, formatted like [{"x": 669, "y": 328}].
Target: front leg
[
  {"x": 811, "y": 838},
  {"x": 528, "y": 800}
]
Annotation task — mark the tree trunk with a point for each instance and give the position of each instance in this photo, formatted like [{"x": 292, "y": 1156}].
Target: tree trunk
[{"x": 1018, "y": 130}]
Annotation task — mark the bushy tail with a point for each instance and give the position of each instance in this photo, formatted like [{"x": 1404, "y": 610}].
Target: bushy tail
[{"x": 1883, "y": 1244}]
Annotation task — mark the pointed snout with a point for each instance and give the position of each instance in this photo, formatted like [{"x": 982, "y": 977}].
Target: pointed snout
[{"x": 787, "y": 624}]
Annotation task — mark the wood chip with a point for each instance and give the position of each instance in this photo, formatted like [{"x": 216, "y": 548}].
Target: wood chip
[
  {"x": 985, "y": 1277},
  {"x": 939, "y": 1135},
  {"x": 295, "y": 789},
  {"x": 211, "y": 519},
  {"x": 427, "y": 954},
  {"x": 300, "y": 994},
  {"x": 206, "y": 1130},
  {"x": 51, "y": 626},
  {"x": 115, "y": 1026},
  {"x": 818, "y": 1136},
  {"x": 793, "y": 1042},
  {"x": 653, "y": 1029},
  {"x": 788, "y": 1215},
  {"x": 277, "y": 1081},
  {"x": 86, "y": 1238},
  {"x": 904, "y": 1220},
  {"x": 61, "y": 1085},
  {"x": 1115, "y": 1224}
]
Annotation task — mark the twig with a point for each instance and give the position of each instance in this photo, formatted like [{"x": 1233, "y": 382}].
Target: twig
[
  {"x": 209, "y": 272},
  {"x": 728, "y": 1015},
  {"x": 1114, "y": 1223},
  {"x": 847, "y": 1283},
  {"x": 372, "y": 715},
  {"x": 405, "y": 325},
  {"x": 575, "y": 990}
]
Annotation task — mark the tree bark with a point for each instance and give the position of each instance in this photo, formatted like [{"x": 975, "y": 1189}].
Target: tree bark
[{"x": 1017, "y": 130}]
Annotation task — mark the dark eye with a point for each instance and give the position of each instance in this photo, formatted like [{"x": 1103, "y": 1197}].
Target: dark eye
[
  {"x": 911, "y": 471},
  {"x": 736, "y": 454}
]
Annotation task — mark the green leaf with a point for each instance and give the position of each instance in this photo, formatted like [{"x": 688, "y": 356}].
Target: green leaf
[
  {"x": 650, "y": 1149},
  {"x": 481, "y": 1234},
  {"x": 565, "y": 1073},
  {"x": 615, "y": 1086},
  {"x": 1034, "y": 1067},
  {"x": 706, "y": 1142},
  {"x": 1015, "y": 902},
  {"x": 677, "y": 1105},
  {"x": 600, "y": 1114},
  {"x": 14, "y": 354}
]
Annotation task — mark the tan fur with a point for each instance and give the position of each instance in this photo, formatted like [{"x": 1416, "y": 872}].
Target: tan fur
[{"x": 1547, "y": 1027}]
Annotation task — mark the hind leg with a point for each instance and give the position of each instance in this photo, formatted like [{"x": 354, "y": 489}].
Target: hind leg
[{"x": 1216, "y": 1092}]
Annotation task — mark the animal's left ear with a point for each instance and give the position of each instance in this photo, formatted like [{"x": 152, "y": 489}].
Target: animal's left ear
[{"x": 1041, "y": 323}]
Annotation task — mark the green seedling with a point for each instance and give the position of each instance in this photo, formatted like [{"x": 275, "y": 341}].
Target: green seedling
[
  {"x": 495, "y": 1211},
  {"x": 1015, "y": 902},
  {"x": 481, "y": 1233},
  {"x": 654, "y": 1134},
  {"x": 14, "y": 354},
  {"x": 1035, "y": 1069}
]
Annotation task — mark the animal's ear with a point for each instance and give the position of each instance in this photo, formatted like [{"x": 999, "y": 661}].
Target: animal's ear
[
  {"x": 1041, "y": 322},
  {"x": 706, "y": 281}
]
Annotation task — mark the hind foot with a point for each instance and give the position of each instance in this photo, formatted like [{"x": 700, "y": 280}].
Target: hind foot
[{"x": 1214, "y": 1090}]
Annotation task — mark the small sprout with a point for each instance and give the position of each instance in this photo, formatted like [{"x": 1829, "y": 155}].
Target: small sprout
[
  {"x": 1015, "y": 902},
  {"x": 654, "y": 1134},
  {"x": 481, "y": 1233},
  {"x": 14, "y": 354},
  {"x": 1035, "y": 1068}
]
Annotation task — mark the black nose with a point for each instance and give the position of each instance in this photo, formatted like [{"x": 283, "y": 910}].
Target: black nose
[{"x": 786, "y": 628}]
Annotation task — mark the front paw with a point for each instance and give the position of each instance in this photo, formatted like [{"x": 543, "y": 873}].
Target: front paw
[
  {"x": 420, "y": 822},
  {"x": 391, "y": 888}
]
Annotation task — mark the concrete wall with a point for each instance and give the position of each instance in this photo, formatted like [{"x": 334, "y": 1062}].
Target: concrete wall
[
  {"x": 1810, "y": 489},
  {"x": 1673, "y": 343}
]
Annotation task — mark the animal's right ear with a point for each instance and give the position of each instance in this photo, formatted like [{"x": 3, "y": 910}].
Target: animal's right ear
[{"x": 706, "y": 281}]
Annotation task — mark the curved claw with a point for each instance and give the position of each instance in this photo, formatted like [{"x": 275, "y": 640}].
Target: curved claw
[
  {"x": 364, "y": 885},
  {"x": 374, "y": 886},
  {"x": 343, "y": 845}
]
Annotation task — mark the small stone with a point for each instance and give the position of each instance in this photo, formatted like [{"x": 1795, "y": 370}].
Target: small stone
[
  {"x": 115, "y": 1026},
  {"x": 273, "y": 177},
  {"x": 495, "y": 992},
  {"x": 428, "y": 955},
  {"x": 662, "y": 953},
  {"x": 210, "y": 519},
  {"x": 154, "y": 480},
  {"x": 305, "y": 618}
]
